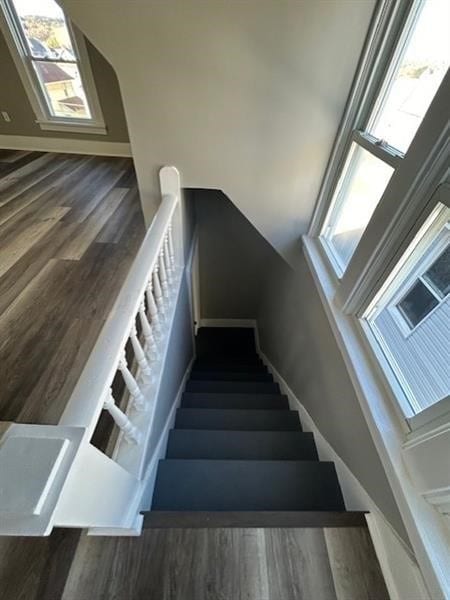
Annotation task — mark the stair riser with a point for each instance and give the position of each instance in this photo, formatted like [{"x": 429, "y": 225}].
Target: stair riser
[
  {"x": 246, "y": 485},
  {"x": 238, "y": 401},
  {"x": 230, "y": 376},
  {"x": 240, "y": 445},
  {"x": 231, "y": 387},
  {"x": 238, "y": 420}
]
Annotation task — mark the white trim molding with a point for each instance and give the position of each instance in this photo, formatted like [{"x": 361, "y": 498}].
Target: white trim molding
[
  {"x": 65, "y": 145},
  {"x": 427, "y": 528},
  {"x": 399, "y": 566}
]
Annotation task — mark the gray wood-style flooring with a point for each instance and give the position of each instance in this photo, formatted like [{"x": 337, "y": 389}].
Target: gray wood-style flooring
[
  {"x": 70, "y": 227},
  {"x": 228, "y": 564},
  {"x": 194, "y": 564}
]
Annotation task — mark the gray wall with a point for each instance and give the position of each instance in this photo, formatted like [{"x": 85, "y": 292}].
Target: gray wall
[
  {"x": 233, "y": 257},
  {"x": 14, "y": 100},
  {"x": 296, "y": 337},
  {"x": 241, "y": 276}
]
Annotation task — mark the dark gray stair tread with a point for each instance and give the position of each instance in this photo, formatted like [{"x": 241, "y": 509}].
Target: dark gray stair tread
[
  {"x": 160, "y": 519},
  {"x": 233, "y": 387},
  {"x": 243, "y": 401},
  {"x": 227, "y": 367},
  {"x": 237, "y": 419},
  {"x": 241, "y": 445},
  {"x": 236, "y": 485},
  {"x": 230, "y": 376}
]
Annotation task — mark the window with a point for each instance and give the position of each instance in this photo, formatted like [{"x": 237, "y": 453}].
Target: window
[
  {"x": 393, "y": 115},
  {"x": 57, "y": 77},
  {"x": 410, "y": 317},
  {"x": 427, "y": 292}
]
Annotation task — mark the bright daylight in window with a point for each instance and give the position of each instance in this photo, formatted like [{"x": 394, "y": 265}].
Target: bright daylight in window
[
  {"x": 410, "y": 318},
  {"x": 50, "y": 51},
  {"x": 410, "y": 85}
]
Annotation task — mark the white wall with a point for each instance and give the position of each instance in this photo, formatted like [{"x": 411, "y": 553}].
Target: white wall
[{"x": 245, "y": 97}]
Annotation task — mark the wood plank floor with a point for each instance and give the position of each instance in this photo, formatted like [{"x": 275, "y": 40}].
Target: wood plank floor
[
  {"x": 194, "y": 564},
  {"x": 228, "y": 564},
  {"x": 70, "y": 227}
]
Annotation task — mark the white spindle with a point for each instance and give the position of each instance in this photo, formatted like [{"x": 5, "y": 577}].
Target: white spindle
[
  {"x": 150, "y": 342},
  {"x": 163, "y": 275},
  {"x": 137, "y": 396},
  {"x": 171, "y": 247},
  {"x": 167, "y": 263},
  {"x": 153, "y": 308},
  {"x": 139, "y": 353},
  {"x": 159, "y": 298},
  {"x": 130, "y": 432}
]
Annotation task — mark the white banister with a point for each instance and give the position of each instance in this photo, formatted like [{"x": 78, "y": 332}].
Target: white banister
[
  {"x": 149, "y": 338},
  {"x": 159, "y": 298},
  {"x": 85, "y": 403},
  {"x": 163, "y": 276},
  {"x": 168, "y": 265},
  {"x": 70, "y": 482},
  {"x": 141, "y": 359},
  {"x": 137, "y": 397},
  {"x": 130, "y": 432}
]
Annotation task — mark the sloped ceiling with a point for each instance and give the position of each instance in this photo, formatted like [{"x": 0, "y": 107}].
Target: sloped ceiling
[{"x": 241, "y": 95}]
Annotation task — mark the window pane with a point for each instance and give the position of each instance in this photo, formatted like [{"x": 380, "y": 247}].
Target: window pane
[
  {"x": 414, "y": 82},
  {"x": 45, "y": 29},
  {"x": 418, "y": 358},
  {"x": 417, "y": 303},
  {"x": 438, "y": 275},
  {"x": 362, "y": 184},
  {"x": 63, "y": 88}
]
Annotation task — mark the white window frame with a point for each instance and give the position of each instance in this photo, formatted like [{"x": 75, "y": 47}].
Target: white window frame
[
  {"x": 434, "y": 251},
  {"x": 406, "y": 443},
  {"x": 45, "y": 120}
]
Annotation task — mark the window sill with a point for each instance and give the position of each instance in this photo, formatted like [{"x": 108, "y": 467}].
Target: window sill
[
  {"x": 426, "y": 528},
  {"x": 71, "y": 127}
]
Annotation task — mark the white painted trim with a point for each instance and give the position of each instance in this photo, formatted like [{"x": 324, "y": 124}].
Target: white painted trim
[
  {"x": 143, "y": 498},
  {"x": 400, "y": 570},
  {"x": 399, "y": 567},
  {"x": 65, "y": 145},
  {"x": 160, "y": 449},
  {"x": 427, "y": 529},
  {"x": 248, "y": 323}
]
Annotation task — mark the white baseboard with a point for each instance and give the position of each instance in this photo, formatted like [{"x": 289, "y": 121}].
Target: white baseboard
[
  {"x": 66, "y": 145},
  {"x": 160, "y": 449},
  {"x": 250, "y": 323},
  {"x": 400, "y": 570}
]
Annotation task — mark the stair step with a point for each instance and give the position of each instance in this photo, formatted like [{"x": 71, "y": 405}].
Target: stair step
[
  {"x": 237, "y": 419},
  {"x": 247, "y": 387},
  {"x": 241, "y": 445},
  {"x": 257, "y": 367},
  {"x": 243, "y": 401},
  {"x": 230, "y": 376},
  {"x": 246, "y": 485},
  {"x": 159, "y": 519}
]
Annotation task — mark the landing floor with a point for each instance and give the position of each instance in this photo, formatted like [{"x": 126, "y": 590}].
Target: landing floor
[
  {"x": 195, "y": 564},
  {"x": 70, "y": 226}
]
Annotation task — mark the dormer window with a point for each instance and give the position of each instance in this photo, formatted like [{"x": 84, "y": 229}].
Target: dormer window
[{"x": 54, "y": 66}]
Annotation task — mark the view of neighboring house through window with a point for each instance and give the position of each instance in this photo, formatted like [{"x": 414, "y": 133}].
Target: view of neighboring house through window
[
  {"x": 46, "y": 45},
  {"x": 410, "y": 318},
  {"x": 415, "y": 73}
]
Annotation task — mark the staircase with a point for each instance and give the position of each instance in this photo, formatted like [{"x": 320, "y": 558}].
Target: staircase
[{"x": 238, "y": 455}]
